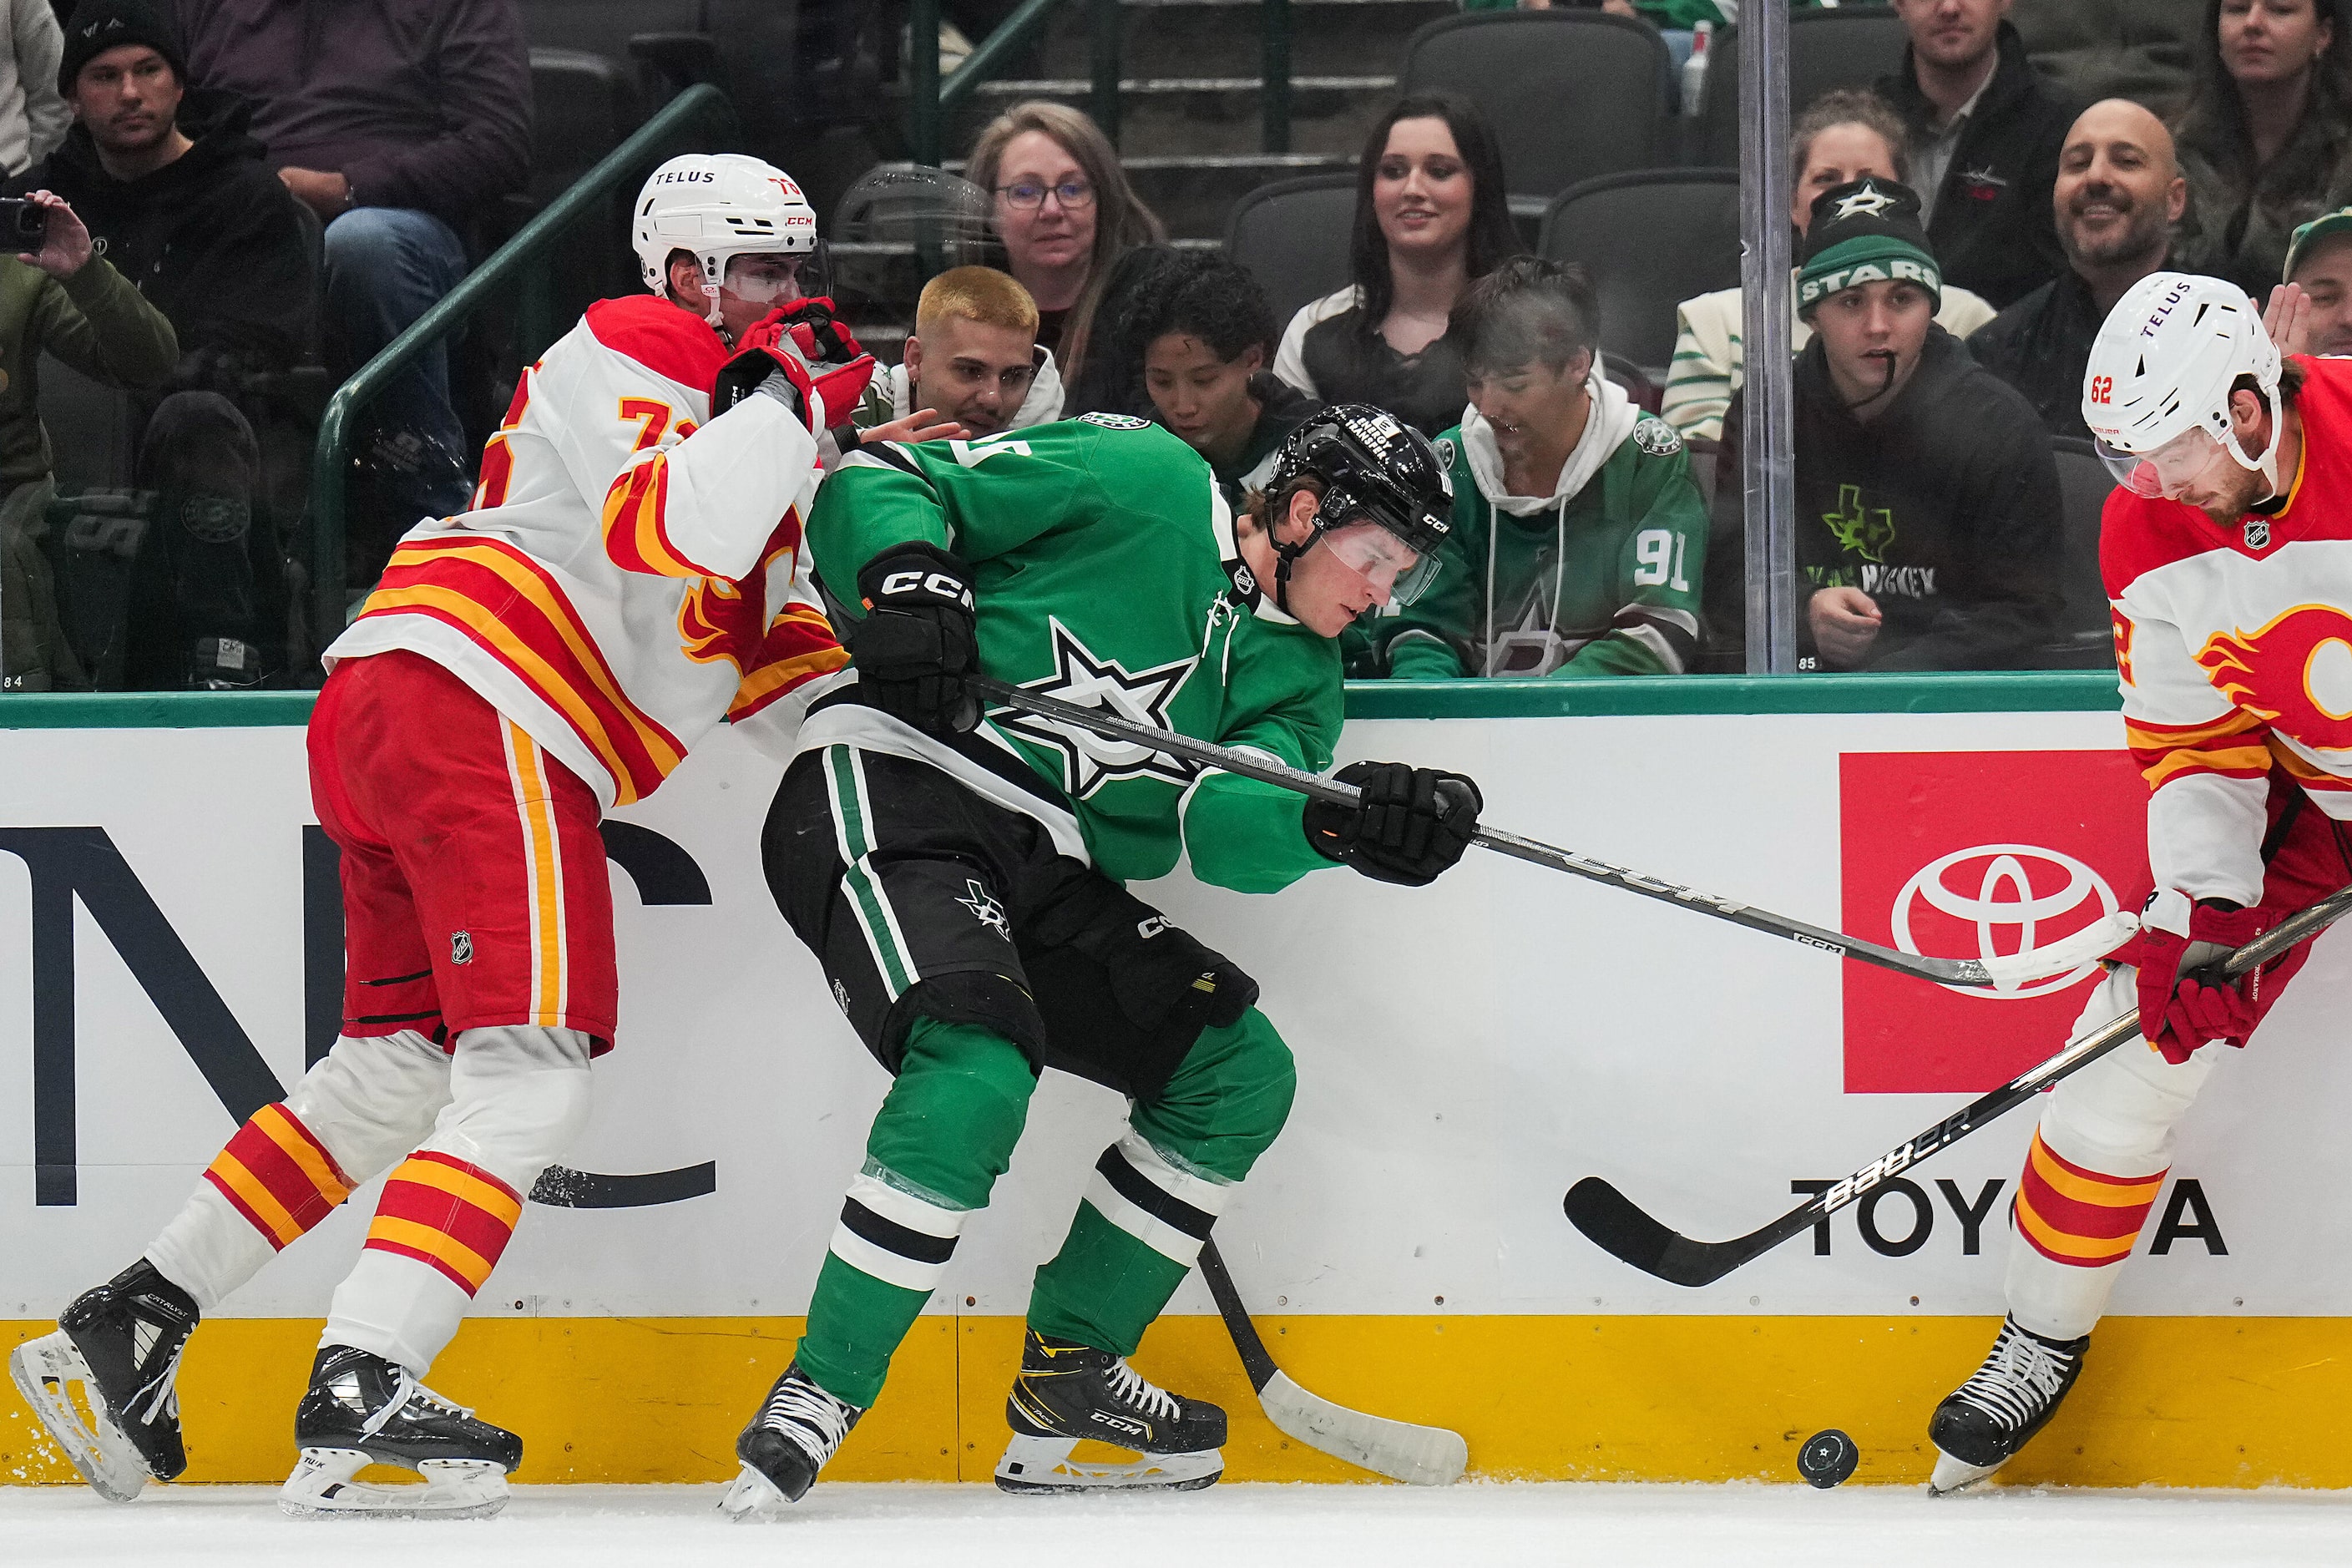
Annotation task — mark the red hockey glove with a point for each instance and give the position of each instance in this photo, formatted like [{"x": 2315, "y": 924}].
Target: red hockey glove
[
  {"x": 2179, "y": 1013},
  {"x": 798, "y": 342}
]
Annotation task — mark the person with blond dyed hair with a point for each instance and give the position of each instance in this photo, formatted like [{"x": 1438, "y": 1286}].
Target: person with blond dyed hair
[
  {"x": 973, "y": 366},
  {"x": 1065, "y": 212}
]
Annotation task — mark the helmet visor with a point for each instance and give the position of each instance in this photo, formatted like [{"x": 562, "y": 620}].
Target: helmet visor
[
  {"x": 2166, "y": 471},
  {"x": 767, "y": 277},
  {"x": 1398, "y": 574}
]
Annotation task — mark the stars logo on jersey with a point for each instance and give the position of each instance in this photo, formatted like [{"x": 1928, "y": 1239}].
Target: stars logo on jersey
[
  {"x": 1142, "y": 697},
  {"x": 1656, "y": 437},
  {"x": 1116, "y": 421},
  {"x": 986, "y": 908}
]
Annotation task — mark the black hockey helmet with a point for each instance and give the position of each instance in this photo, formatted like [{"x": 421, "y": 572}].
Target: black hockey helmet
[{"x": 1372, "y": 468}]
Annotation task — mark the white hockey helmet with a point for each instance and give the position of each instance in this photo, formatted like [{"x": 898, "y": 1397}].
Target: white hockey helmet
[
  {"x": 718, "y": 206},
  {"x": 2160, "y": 372}
]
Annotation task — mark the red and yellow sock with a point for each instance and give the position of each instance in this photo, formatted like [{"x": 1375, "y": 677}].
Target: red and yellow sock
[
  {"x": 278, "y": 1176},
  {"x": 2071, "y": 1213},
  {"x": 445, "y": 1213}
]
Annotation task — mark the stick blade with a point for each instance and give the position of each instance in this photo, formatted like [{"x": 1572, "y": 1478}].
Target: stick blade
[
  {"x": 1417, "y": 1456},
  {"x": 1611, "y": 1222}
]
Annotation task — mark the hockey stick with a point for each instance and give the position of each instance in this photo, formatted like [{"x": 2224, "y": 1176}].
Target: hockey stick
[
  {"x": 2004, "y": 973},
  {"x": 1417, "y": 1456},
  {"x": 1611, "y": 1219}
]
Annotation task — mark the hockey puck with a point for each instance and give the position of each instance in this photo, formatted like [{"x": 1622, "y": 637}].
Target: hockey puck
[{"x": 1827, "y": 1458}]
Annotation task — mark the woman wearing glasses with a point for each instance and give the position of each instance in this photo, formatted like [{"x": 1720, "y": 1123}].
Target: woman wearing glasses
[{"x": 1065, "y": 211}]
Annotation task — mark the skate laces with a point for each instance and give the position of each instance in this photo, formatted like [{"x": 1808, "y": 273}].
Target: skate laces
[
  {"x": 407, "y": 1391},
  {"x": 1133, "y": 1387},
  {"x": 800, "y": 1410},
  {"x": 160, "y": 1395},
  {"x": 2018, "y": 1379}
]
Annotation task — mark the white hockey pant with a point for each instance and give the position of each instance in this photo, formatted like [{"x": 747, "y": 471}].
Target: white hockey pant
[
  {"x": 2110, "y": 1127},
  {"x": 505, "y": 1105}
]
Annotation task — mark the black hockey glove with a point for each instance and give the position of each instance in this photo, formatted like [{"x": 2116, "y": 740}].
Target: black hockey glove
[
  {"x": 918, "y": 639},
  {"x": 1409, "y": 826}
]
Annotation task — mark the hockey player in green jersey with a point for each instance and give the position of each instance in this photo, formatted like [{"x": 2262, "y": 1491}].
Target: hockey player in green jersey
[
  {"x": 1579, "y": 540},
  {"x": 960, "y": 875}
]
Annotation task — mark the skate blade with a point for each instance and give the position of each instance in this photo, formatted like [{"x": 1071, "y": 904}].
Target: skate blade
[
  {"x": 751, "y": 1495},
  {"x": 1040, "y": 1464},
  {"x": 45, "y": 1371},
  {"x": 1956, "y": 1475},
  {"x": 322, "y": 1487}
]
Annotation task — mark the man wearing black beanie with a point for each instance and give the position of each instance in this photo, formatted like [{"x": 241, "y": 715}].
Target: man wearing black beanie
[
  {"x": 1927, "y": 516},
  {"x": 176, "y": 193}
]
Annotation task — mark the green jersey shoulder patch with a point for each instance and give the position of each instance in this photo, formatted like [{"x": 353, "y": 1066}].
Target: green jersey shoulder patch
[
  {"x": 1116, "y": 421},
  {"x": 1656, "y": 437}
]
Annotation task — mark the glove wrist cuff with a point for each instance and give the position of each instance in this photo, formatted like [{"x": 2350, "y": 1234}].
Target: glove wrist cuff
[{"x": 2168, "y": 911}]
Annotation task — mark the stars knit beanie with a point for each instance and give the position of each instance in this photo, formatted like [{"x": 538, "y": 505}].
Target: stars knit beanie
[{"x": 1865, "y": 231}]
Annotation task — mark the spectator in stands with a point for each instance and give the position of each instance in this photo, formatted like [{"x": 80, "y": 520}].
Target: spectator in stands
[
  {"x": 176, "y": 187},
  {"x": 2319, "y": 264},
  {"x": 1432, "y": 215},
  {"x": 1579, "y": 541},
  {"x": 1984, "y": 138},
  {"x": 2092, "y": 49},
  {"x": 2118, "y": 194},
  {"x": 2265, "y": 142},
  {"x": 973, "y": 361},
  {"x": 399, "y": 126},
  {"x": 64, "y": 299},
  {"x": 1927, "y": 506},
  {"x": 215, "y": 242},
  {"x": 33, "y": 115},
  {"x": 1843, "y": 135},
  {"x": 1065, "y": 211},
  {"x": 1206, "y": 344}
]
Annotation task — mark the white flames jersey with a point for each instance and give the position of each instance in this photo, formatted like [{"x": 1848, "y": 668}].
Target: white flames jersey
[
  {"x": 2234, "y": 646},
  {"x": 631, "y": 570}
]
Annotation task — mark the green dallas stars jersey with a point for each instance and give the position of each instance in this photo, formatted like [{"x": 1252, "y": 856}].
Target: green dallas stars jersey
[{"x": 1106, "y": 575}]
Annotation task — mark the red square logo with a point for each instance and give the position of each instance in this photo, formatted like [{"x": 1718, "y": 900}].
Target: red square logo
[{"x": 1966, "y": 855}]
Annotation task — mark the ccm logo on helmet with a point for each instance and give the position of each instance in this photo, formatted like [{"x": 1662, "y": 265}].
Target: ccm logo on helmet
[
  {"x": 937, "y": 584},
  {"x": 2103, "y": 389}
]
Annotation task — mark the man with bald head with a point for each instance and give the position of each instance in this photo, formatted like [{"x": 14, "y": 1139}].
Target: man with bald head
[{"x": 2118, "y": 197}]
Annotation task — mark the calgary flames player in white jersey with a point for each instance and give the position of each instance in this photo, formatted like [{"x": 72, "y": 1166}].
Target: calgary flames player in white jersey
[
  {"x": 629, "y": 575},
  {"x": 2227, "y": 549}
]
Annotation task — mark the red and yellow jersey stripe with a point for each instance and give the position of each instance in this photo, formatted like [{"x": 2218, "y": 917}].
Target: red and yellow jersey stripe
[
  {"x": 637, "y": 531},
  {"x": 507, "y": 605},
  {"x": 2235, "y": 745},
  {"x": 798, "y": 646}
]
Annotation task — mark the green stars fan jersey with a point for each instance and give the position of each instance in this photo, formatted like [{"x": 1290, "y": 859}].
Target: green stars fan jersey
[{"x": 1106, "y": 575}]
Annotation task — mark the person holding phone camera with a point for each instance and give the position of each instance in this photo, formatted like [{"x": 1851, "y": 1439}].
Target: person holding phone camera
[{"x": 58, "y": 294}]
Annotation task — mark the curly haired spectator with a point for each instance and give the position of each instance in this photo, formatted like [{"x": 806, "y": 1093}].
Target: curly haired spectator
[
  {"x": 1065, "y": 212},
  {"x": 2264, "y": 142},
  {"x": 1206, "y": 341},
  {"x": 1432, "y": 214}
]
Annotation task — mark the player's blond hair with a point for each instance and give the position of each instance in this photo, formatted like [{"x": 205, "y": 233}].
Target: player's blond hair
[{"x": 980, "y": 294}]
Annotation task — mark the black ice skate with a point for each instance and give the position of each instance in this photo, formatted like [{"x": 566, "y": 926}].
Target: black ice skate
[
  {"x": 1982, "y": 1424},
  {"x": 1068, "y": 1393},
  {"x": 362, "y": 1410},
  {"x": 787, "y": 1443},
  {"x": 121, "y": 1343}
]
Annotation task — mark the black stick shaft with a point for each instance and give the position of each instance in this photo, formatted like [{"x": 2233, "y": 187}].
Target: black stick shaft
[
  {"x": 1631, "y": 1235},
  {"x": 1943, "y": 970},
  {"x": 1251, "y": 1349}
]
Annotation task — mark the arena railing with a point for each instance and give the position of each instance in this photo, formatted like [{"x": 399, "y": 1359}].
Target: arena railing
[
  {"x": 700, "y": 107},
  {"x": 932, "y": 99},
  {"x": 2021, "y": 691}
]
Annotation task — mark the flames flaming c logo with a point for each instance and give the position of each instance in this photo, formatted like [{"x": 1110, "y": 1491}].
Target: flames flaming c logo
[{"x": 2295, "y": 672}]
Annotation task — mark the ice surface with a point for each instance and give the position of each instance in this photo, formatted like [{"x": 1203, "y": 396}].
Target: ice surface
[{"x": 1561, "y": 1526}]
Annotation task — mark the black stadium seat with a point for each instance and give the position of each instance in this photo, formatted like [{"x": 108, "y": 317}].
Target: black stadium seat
[
  {"x": 1851, "y": 46},
  {"x": 1292, "y": 236},
  {"x": 1651, "y": 240},
  {"x": 1570, "y": 94}
]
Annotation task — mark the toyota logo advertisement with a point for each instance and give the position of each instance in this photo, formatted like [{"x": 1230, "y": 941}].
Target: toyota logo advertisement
[{"x": 1974, "y": 855}]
